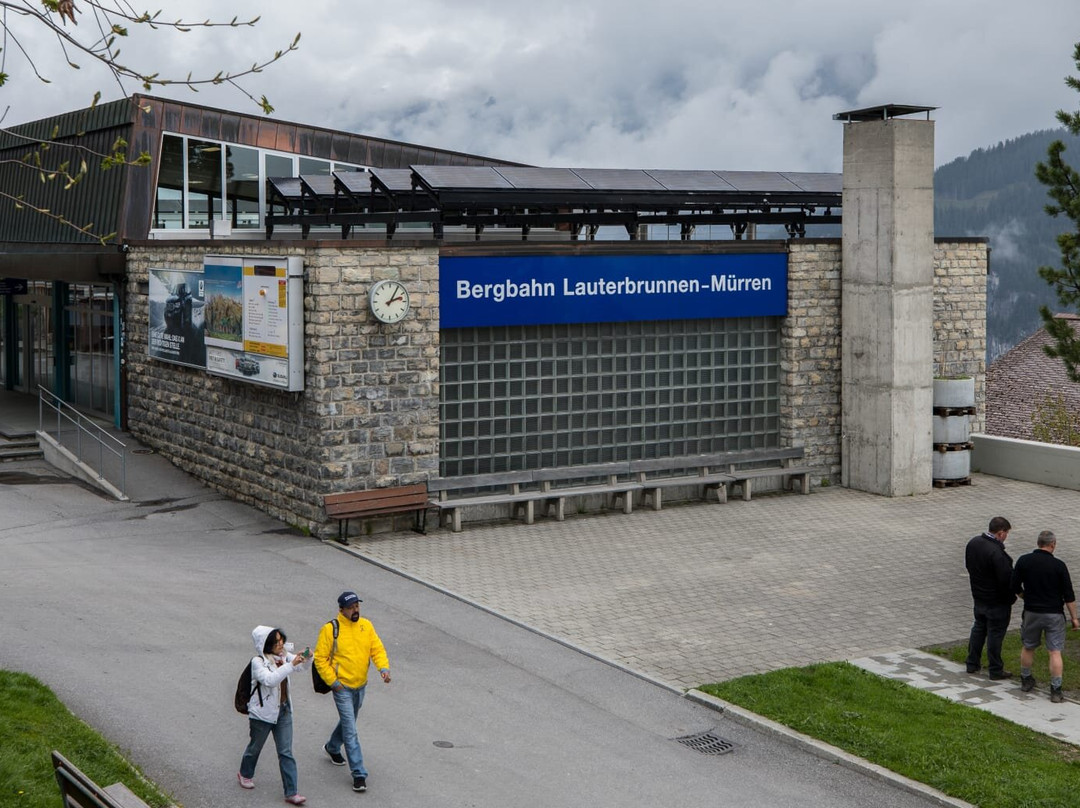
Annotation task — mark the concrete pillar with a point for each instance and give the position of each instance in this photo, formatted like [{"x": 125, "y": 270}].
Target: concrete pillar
[{"x": 888, "y": 306}]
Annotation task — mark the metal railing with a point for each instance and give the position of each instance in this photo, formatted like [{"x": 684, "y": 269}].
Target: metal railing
[{"x": 83, "y": 438}]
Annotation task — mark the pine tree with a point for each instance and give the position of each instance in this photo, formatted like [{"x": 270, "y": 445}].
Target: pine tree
[{"x": 1063, "y": 186}]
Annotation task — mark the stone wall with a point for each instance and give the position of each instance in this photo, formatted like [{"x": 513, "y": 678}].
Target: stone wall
[
  {"x": 368, "y": 416},
  {"x": 960, "y": 269},
  {"x": 810, "y": 339},
  {"x": 810, "y": 355}
]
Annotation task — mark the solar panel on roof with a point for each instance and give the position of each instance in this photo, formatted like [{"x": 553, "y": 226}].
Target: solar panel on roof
[
  {"x": 758, "y": 181},
  {"x": 318, "y": 184},
  {"x": 542, "y": 179},
  {"x": 288, "y": 187},
  {"x": 816, "y": 183},
  {"x": 461, "y": 177},
  {"x": 355, "y": 182},
  {"x": 393, "y": 179},
  {"x": 687, "y": 180},
  {"x": 618, "y": 179}
]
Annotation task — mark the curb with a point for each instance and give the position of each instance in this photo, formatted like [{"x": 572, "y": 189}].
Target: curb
[{"x": 824, "y": 750}]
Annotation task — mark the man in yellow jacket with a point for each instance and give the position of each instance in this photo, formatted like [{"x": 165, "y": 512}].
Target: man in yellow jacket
[{"x": 344, "y": 664}]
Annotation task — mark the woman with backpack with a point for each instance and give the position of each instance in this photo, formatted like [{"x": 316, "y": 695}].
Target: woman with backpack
[{"x": 270, "y": 708}]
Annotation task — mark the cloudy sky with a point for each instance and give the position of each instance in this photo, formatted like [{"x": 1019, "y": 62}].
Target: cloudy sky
[{"x": 604, "y": 83}]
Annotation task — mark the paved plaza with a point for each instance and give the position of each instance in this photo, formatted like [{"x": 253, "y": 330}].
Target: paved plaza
[{"x": 701, "y": 592}]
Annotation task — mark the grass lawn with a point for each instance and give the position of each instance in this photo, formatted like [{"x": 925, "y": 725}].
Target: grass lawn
[
  {"x": 33, "y": 722},
  {"x": 964, "y": 752},
  {"x": 1010, "y": 652}
]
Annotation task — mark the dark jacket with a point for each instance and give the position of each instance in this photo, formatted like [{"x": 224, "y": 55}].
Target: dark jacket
[
  {"x": 1045, "y": 582},
  {"x": 990, "y": 570}
]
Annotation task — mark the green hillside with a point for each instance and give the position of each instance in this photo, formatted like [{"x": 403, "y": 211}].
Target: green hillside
[{"x": 993, "y": 192}]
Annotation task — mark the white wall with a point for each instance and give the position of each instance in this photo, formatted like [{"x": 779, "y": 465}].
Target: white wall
[{"x": 1027, "y": 460}]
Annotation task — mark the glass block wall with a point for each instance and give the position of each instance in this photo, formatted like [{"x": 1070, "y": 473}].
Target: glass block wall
[{"x": 525, "y": 397}]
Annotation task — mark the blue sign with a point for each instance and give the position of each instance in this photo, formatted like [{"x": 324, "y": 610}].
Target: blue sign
[{"x": 537, "y": 289}]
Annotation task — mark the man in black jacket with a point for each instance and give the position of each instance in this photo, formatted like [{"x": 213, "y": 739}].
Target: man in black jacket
[
  {"x": 990, "y": 570},
  {"x": 1044, "y": 584}
]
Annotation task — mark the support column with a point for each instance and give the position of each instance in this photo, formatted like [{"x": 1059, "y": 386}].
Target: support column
[{"x": 887, "y": 306}]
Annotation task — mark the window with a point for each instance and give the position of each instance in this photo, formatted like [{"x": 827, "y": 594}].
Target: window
[
  {"x": 242, "y": 186},
  {"x": 203, "y": 182},
  {"x": 169, "y": 203}
]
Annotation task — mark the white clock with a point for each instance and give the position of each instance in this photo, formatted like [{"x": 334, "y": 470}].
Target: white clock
[{"x": 389, "y": 301}]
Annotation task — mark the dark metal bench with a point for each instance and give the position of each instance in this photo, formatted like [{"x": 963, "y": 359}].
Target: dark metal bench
[
  {"x": 79, "y": 791},
  {"x": 377, "y": 502}
]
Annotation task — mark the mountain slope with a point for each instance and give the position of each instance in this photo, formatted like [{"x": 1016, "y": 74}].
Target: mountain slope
[{"x": 993, "y": 192}]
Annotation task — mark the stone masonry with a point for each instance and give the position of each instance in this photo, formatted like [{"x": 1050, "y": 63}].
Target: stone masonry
[
  {"x": 367, "y": 418},
  {"x": 369, "y": 414}
]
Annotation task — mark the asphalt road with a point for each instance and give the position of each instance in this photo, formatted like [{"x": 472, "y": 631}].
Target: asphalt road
[{"x": 139, "y": 617}]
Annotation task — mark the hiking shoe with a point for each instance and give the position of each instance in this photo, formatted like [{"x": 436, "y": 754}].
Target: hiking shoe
[
  {"x": 245, "y": 782},
  {"x": 335, "y": 757},
  {"x": 1056, "y": 696},
  {"x": 1001, "y": 675},
  {"x": 359, "y": 784},
  {"x": 296, "y": 799},
  {"x": 1027, "y": 683}
]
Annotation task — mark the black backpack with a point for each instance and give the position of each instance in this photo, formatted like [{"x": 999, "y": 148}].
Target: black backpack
[
  {"x": 244, "y": 690},
  {"x": 316, "y": 680}
]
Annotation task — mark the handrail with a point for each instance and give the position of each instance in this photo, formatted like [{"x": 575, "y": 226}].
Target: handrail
[{"x": 83, "y": 426}]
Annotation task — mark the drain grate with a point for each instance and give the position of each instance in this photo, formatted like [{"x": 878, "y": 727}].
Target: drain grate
[{"x": 708, "y": 743}]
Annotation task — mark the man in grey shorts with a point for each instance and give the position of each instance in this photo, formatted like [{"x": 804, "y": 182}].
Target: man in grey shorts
[{"x": 1044, "y": 583}]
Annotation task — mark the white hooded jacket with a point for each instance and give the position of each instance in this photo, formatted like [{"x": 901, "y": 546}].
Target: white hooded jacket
[{"x": 268, "y": 675}]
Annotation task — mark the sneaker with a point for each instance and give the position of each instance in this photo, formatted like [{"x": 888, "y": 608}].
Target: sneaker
[
  {"x": 245, "y": 782},
  {"x": 1002, "y": 675},
  {"x": 335, "y": 757},
  {"x": 1056, "y": 696},
  {"x": 359, "y": 784},
  {"x": 296, "y": 799},
  {"x": 1027, "y": 683}
]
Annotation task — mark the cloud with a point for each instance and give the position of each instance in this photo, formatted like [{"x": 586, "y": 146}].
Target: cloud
[{"x": 677, "y": 85}]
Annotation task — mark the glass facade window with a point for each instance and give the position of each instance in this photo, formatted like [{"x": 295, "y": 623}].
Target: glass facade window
[
  {"x": 200, "y": 180},
  {"x": 204, "y": 176},
  {"x": 91, "y": 347},
  {"x": 242, "y": 186},
  {"x": 169, "y": 200}
]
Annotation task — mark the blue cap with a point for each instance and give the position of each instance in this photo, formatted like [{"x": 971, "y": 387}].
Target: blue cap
[{"x": 347, "y": 599}]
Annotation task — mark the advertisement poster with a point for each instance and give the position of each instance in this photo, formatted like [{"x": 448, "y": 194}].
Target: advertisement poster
[
  {"x": 177, "y": 317},
  {"x": 240, "y": 323}
]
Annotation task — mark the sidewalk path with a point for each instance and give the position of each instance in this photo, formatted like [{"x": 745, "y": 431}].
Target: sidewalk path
[{"x": 951, "y": 680}]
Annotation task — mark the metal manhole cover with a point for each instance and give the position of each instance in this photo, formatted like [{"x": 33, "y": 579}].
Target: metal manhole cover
[{"x": 708, "y": 743}]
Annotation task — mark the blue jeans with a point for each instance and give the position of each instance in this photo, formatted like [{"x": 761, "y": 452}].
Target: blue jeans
[
  {"x": 991, "y": 623},
  {"x": 348, "y": 702},
  {"x": 282, "y": 741}
]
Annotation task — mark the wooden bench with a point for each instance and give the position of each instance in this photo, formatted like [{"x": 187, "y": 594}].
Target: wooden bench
[
  {"x": 609, "y": 484},
  {"x": 377, "y": 502},
  {"x": 710, "y": 474},
  {"x": 781, "y": 463},
  {"x": 79, "y": 791}
]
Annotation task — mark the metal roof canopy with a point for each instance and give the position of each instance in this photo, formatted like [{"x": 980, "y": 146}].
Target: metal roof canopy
[
  {"x": 571, "y": 198},
  {"x": 881, "y": 113}
]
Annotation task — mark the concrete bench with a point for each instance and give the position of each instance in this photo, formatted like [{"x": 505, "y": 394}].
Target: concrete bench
[
  {"x": 564, "y": 483},
  {"x": 377, "y": 502},
  {"x": 79, "y": 791},
  {"x": 778, "y": 463},
  {"x": 507, "y": 491},
  {"x": 709, "y": 472}
]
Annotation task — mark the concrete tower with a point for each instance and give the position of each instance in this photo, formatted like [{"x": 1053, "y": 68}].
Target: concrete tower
[{"x": 888, "y": 301}]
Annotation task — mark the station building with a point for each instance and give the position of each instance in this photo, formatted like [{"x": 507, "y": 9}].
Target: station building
[{"x": 288, "y": 312}]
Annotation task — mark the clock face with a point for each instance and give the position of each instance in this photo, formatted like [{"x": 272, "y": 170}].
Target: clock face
[{"x": 389, "y": 301}]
